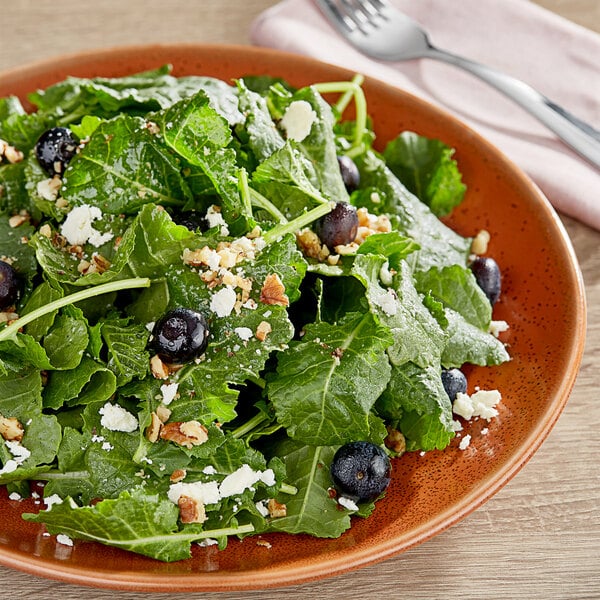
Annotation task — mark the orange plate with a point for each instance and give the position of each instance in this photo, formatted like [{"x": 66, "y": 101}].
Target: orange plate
[{"x": 543, "y": 301}]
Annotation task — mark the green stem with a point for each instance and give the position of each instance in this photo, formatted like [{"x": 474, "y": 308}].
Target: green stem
[
  {"x": 350, "y": 87},
  {"x": 245, "y": 192},
  {"x": 259, "y": 200},
  {"x": 346, "y": 97},
  {"x": 286, "y": 488},
  {"x": 105, "y": 288},
  {"x": 298, "y": 223},
  {"x": 249, "y": 425}
]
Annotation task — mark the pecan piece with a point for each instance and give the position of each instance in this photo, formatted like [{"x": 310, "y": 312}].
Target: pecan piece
[
  {"x": 187, "y": 434},
  {"x": 273, "y": 291},
  {"x": 11, "y": 429},
  {"x": 276, "y": 509},
  {"x": 191, "y": 510}
]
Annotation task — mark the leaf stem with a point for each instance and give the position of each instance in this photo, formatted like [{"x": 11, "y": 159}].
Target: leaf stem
[
  {"x": 112, "y": 286},
  {"x": 245, "y": 192},
  {"x": 261, "y": 202},
  {"x": 354, "y": 89},
  {"x": 286, "y": 488},
  {"x": 249, "y": 425},
  {"x": 298, "y": 223}
]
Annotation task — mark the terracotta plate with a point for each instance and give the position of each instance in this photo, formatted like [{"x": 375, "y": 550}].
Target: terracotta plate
[{"x": 542, "y": 300}]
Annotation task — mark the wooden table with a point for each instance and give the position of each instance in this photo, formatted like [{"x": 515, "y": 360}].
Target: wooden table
[{"x": 540, "y": 536}]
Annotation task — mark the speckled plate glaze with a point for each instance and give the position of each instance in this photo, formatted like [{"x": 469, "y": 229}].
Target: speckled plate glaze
[{"x": 542, "y": 299}]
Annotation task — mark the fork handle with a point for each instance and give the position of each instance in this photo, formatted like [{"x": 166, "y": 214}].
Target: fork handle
[{"x": 577, "y": 134}]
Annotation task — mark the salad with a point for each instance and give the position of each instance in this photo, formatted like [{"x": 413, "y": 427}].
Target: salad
[{"x": 223, "y": 311}]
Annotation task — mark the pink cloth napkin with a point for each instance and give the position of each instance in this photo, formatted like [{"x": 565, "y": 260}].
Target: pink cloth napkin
[{"x": 555, "y": 56}]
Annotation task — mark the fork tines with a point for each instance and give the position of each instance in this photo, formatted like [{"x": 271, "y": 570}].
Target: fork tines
[{"x": 353, "y": 15}]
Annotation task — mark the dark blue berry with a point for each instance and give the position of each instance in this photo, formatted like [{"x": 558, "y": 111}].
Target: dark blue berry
[
  {"x": 338, "y": 227},
  {"x": 454, "y": 381},
  {"x": 55, "y": 148},
  {"x": 360, "y": 471},
  {"x": 9, "y": 285},
  {"x": 349, "y": 172},
  {"x": 180, "y": 335},
  {"x": 193, "y": 220},
  {"x": 487, "y": 274}
]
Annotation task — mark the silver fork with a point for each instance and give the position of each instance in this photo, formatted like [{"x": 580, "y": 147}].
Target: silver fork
[{"x": 381, "y": 31}]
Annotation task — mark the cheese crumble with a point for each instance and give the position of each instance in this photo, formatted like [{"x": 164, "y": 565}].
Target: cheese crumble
[{"x": 77, "y": 227}]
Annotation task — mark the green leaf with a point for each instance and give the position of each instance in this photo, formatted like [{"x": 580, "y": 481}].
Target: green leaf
[
  {"x": 66, "y": 342},
  {"x": 416, "y": 333},
  {"x": 425, "y": 166},
  {"x": 456, "y": 288},
  {"x": 327, "y": 384},
  {"x": 469, "y": 344},
  {"x": 417, "y": 400},
  {"x": 123, "y": 167},
  {"x": 311, "y": 510},
  {"x": 439, "y": 244}
]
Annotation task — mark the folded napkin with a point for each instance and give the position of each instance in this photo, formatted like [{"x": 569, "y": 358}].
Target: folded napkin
[{"x": 555, "y": 56}]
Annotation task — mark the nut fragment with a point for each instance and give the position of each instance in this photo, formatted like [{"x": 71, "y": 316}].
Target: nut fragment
[
  {"x": 263, "y": 329},
  {"x": 11, "y": 429},
  {"x": 159, "y": 369},
  {"x": 187, "y": 434},
  {"x": 152, "y": 432},
  {"x": 177, "y": 475},
  {"x": 191, "y": 510},
  {"x": 276, "y": 509},
  {"x": 395, "y": 441},
  {"x": 480, "y": 242},
  {"x": 163, "y": 413},
  {"x": 273, "y": 291}
]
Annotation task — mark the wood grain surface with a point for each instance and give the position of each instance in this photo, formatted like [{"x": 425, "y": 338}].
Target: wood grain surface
[{"x": 539, "y": 537}]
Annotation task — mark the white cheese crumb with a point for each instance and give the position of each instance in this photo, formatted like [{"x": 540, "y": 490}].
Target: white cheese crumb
[
  {"x": 207, "y": 542},
  {"x": 298, "y": 120},
  {"x": 215, "y": 219},
  {"x": 261, "y": 507},
  {"x": 63, "y": 539},
  {"x": 223, "y": 302},
  {"x": 498, "y": 327},
  {"x": 14, "y": 496},
  {"x": 485, "y": 431},
  {"x": 169, "y": 392},
  {"x": 116, "y": 418},
  {"x": 347, "y": 503},
  {"x": 19, "y": 452},
  {"x": 207, "y": 493},
  {"x": 238, "y": 481},
  {"x": 464, "y": 443},
  {"x": 9, "y": 466},
  {"x": 50, "y": 501},
  {"x": 209, "y": 470},
  {"x": 77, "y": 227},
  {"x": 244, "y": 333},
  {"x": 387, "y": 301},
  {"x": 480, "y": 404}
]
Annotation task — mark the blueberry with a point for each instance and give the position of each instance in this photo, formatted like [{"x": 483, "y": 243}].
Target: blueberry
[
  {"x": 338, "y": 227},
  {"x": 360, "y": 471},
  {"x": 349, "y": 172},
  {"x": 55, "y": 148},
  {"x": 9, "y": 285},
  {"x": 454, "y": 381},
  {"x": 193, "y": 220},
  {"x": 487, "y": 274},
  {"x": 180, "y": 335}
]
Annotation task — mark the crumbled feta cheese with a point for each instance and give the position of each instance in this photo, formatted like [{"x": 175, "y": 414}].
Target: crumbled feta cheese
[
  {"x": 19, "y": 452},
  {"x": 485, "y": 431},
  {"x": 209, "y": 470},
  {"x": 464, "y": 443},
  {"x": 205, "y": 492},
  {"x": 268, "y": 477},
  {"x": 116, "y": 418},
  {"x": 77, "y": 227},
  {"x": 207, "y": 542},
  {"x": 480, "y": 404},
  {"x": 244, "y": 333},
  {"x": 347, "y": 503},
  {"x": 298, "y": 120},
  {"x": 498, "y": 327},
  {"x": 14, "y": 496},
  {"x": 9, "y": 466},
  {"x": 50, "y": 501},
  {"x": 387, "y": 301},
  {"x": 169, "y": 392},
  {"x": 215, "y": 219},
  {"x": 238, "y": 481},
  {"x": 223, "y": 301},
  {"x": 261, "y": 507},
  {"x": 107, "y": 446},
  {"x": 63, "y": 539}
]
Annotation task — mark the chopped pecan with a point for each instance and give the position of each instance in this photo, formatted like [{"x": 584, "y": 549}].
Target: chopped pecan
[
  {"x": 177, "y": 475},
  {"x": 276, "y": 509},
  {"x": 163, "y": 413},
  {"x": 263, "y": 329},
  {"x": 273, "y": 291},
  {"x": 395, "y": 441},
  {"x": 187, "y": 434},
  {"x": 11, "y": 429},
  {"x": 152, "y": 432},
  {"x": 159, "y": 369},
  {"x": 191, "y": 510}
]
